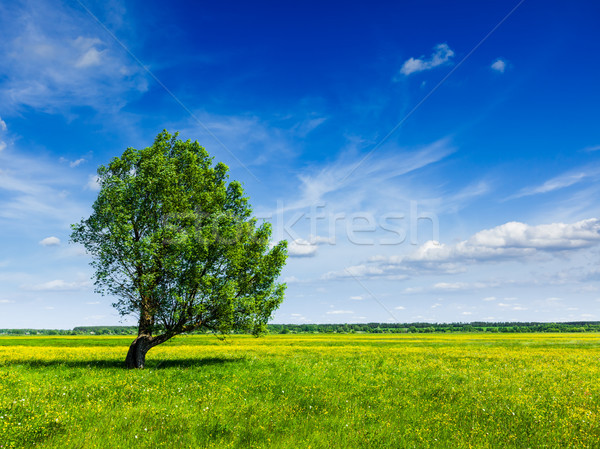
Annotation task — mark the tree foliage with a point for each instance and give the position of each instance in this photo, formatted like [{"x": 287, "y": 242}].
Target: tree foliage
[{"x": 176, "y": 244}]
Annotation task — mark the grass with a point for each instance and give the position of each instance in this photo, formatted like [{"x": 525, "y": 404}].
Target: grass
[{"x": 319, "y": 391}]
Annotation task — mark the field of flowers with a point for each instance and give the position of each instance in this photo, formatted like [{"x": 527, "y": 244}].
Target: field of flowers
[{"x": 319, "y": 391}]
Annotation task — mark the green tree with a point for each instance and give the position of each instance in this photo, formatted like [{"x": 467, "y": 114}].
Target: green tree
[{"x": 175, "y": 243}]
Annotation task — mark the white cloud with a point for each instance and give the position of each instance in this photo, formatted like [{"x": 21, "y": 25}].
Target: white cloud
[
  {"x": 355, "y": 178},
  {"x": 255, "y": 140},
  {"x": 50, "y": 60},
  {"x": 489, "y": 298},
  {"x": 5, "y": 301},
  {"x": 76, "y": 163},
  {"x": 2, "y": 125},
  {"x": 2, "y": 145},
  {"x": 355, "y": 271},
  {"x": 339, "y": 312},
  {"x": 511, "y": 241},
  {"x": 58, "y": 285},
  {"x": 409, "y": 290},
  {"x": 451, "y": 286},
  {"x": 301, "y": 248},
  {"x": 90, "y": 58},
  {"x": 400, "y": 308},
  {"x": 560, "y": 182},
  {"x": 442, "y": 54},
  {"x": 50, "y": 241},
  {"x": 291, "y": 280},
  {"x": 499, "y": 65},
  {"x": 32, "y": 192},
  {"x": 356, "y": 298},
  {"x": 514, "y": 240},
  {"x": 306, "y": 248},
  {"x": 592, "y": 148},
  {"x": 93, "y": 183}
]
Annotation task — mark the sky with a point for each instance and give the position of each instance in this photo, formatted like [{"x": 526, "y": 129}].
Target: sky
[{"x": 427, "y": 161}]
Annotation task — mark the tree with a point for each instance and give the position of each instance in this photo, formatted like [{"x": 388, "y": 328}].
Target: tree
[{"x": 177, "y": 246}]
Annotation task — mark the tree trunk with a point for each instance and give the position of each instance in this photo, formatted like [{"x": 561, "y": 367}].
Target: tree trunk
[{"x": 136, "y": 356}]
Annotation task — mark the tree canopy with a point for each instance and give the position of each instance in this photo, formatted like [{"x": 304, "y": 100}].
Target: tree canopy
[{"x": 176, "y": 244}]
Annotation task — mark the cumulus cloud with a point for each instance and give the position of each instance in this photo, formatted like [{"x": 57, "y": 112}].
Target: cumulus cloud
[
  {"x": 301, "y": 248},
  {"x": 499, "y": 65},
  {"x": 442, "y": 54},
  {"x": 306, "y": 248},
  {"x": 510, "y": 241},
  {"x": 50, "y": 241},
  {"x": 513, "y": 239}
]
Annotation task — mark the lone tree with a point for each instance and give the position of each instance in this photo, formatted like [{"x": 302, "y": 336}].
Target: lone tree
[{"x": 176, "y": 244}]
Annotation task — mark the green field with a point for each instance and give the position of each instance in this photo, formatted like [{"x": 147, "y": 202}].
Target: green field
[{"x": 319, "y": 391}]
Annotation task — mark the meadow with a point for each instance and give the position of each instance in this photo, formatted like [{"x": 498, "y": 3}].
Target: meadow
[{"x": 308, "y": 391}]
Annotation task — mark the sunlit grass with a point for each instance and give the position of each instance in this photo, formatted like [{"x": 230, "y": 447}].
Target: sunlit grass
[{"x": 459, "y": 391}]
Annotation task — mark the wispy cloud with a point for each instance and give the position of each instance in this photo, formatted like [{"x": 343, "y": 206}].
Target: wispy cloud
[
  {"x": 58, "y": 285},
  {"x": 51, "y": 59},
  {"x": 339, "y": 312},
  {"x": 441, "y": 55},
  {"x": 257, "y": 140},
  {"x": 591, "y": 148},
  {"x": 3, "y": 129},
  {"x": 561, "y": 181},
  {"x": 318, "y": 184},
  {"x": 34, "y": 191}
]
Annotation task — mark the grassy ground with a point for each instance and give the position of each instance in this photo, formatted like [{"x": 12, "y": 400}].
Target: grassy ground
[{"x": 397, "y": 391}]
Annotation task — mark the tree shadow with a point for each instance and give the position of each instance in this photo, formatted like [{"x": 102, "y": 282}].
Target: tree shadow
[{"x": 155, "y": 364}]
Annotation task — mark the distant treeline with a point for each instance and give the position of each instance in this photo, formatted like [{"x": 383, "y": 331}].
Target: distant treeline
[
  {"x": 399, "y": 328},
  {"x": 369, "y": 328}
]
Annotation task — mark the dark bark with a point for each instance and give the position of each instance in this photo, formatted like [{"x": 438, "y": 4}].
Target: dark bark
[{"x": 136, "y": 356}]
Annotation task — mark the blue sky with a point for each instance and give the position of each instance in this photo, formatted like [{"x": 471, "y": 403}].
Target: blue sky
[{"x": 427, "y": 161}]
